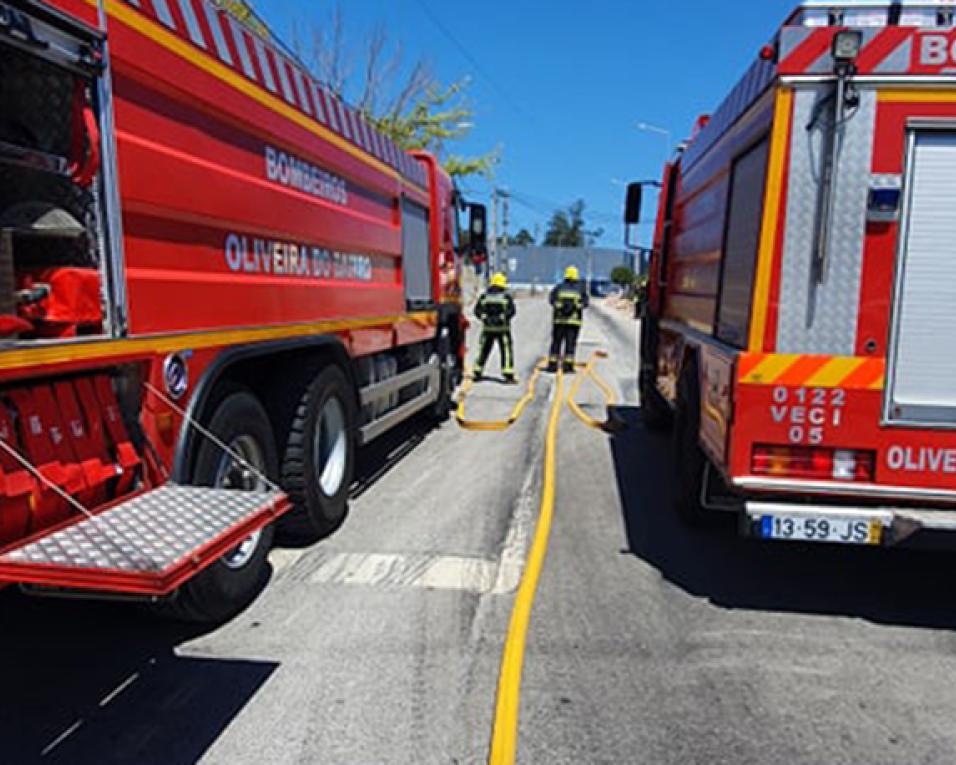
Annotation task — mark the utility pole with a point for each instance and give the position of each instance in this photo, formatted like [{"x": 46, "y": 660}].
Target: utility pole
[
  {"x": 493, "y": 255},
  {"x": 505, "y": 202}
]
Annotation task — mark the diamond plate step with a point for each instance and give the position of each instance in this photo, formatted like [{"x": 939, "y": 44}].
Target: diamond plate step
[{"x": 147, "y": 545}]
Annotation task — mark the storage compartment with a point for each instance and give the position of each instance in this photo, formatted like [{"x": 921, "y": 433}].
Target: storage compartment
[
  {"x": 922, "y": 367},
  {"x": 49, "y": 221}
]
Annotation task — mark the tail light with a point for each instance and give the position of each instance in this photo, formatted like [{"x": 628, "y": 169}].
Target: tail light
[{"x": 814, "y": 462}]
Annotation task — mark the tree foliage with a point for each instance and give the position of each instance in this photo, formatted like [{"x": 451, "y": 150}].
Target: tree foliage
[
  {"x": 566, "y": 227},
  {"x": 407, "y": 103},
  {"x": 623, "y": 276},
  {"x": 523, "y": 238}
]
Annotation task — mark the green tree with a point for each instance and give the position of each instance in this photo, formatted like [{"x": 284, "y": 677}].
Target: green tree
[
  {"x": 523, "y": 238},
  {"x": 407, "y": 103},
  {"x": 566, "y": 227},
  {"x": 623, "y": 277}
]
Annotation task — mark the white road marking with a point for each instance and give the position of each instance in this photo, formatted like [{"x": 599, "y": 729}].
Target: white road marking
[
  {"x": 61, "y": 738},
  {"x": 515, "y": 548},
  {"x": 434, "y": 572},
  {"x": 119, "y": 689},
  {"x": 282, "y": 559}
]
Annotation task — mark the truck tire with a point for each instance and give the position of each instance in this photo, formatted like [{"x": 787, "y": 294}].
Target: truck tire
[
  {"x": 689, "y": 458},
  {"x": 655, "y": 410},
  {"x": 319, "y": 459},
  {"x": 656, "y": 413},
  {"x": 231, "y": 583},
  {"x": 441, "y": 409}
]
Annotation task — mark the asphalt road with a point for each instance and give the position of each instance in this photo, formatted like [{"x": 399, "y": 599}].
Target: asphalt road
[{"x": 649, "y": 643}]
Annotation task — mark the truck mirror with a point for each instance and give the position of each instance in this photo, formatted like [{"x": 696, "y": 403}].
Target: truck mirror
[
  {"x": 478, "y": 228},
  {"x": 632, "y": 209}
]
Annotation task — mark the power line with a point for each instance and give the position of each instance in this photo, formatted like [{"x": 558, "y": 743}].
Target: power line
[
  {"x": 463, "y": 50},
  {"x": 539, "y": 205}
]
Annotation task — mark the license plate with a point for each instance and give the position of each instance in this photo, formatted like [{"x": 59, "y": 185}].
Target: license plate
[{"x": 809, "y": 528}]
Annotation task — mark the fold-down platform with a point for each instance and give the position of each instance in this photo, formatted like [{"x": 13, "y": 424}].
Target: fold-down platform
[{"x": 147, "y": 545}]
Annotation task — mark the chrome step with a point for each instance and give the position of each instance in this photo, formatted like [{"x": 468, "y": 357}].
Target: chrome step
[{"x": 147, "y": 545}]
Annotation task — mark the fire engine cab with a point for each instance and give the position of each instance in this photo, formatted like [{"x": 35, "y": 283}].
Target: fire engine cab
[
  {"x": 799, "y": 332},
  {"x": 217, "y": 282}
]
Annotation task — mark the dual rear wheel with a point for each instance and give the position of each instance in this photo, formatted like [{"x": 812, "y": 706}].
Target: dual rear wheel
[{"x": 315, "y": 467}]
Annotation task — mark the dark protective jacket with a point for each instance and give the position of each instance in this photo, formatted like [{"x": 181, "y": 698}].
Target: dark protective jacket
[
  {"x": 569, "y": 299},
  {"x": 496, "y": 309}
]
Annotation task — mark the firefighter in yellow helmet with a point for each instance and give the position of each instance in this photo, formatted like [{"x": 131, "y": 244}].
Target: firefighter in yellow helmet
[
  {"x": 495, "y": 309},
  {"x": 568, "y": 301}
]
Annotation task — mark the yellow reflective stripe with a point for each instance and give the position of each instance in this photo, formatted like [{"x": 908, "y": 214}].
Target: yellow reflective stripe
[
  {"x": 835, "y": 372},
  {"x": 771, "y": 368},
  {"x": 72, "y": 352},
  {"x": 916, "y": 96},
  {"x": 768, "y": 233}
]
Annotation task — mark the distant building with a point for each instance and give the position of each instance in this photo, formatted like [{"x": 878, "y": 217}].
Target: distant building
[{"x": 529, "y": 267}]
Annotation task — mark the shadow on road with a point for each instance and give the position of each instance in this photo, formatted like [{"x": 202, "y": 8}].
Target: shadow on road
[
  {"x": 87, "y": 682},
  {"x": 884, "y": 586},
  {"x": 100, "y": 683},
  {"x": 377, "y": 459}
]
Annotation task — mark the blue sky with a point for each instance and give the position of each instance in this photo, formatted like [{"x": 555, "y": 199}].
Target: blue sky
[{"x": 560, "y": 86}]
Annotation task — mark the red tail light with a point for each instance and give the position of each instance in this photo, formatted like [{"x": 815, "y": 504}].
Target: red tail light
[{"x": 814, "y": 462}]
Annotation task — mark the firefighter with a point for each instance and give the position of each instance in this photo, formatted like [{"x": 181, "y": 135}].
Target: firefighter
[
  {"x": 495, "y": 309},
  {"x": 568, "y": 301}
]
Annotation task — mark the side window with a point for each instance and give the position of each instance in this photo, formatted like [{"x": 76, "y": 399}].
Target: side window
[
  {"x": 416, "y": 255},
  {"x": 742, "y": 239}
]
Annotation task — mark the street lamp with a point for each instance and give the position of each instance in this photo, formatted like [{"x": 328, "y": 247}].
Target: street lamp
[{"x": 660, "y": 131}]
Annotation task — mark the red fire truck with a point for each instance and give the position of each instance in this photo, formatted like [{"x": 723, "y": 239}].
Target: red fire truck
[
  {"x": 217, "y": 281},
  {"x": 803, "y": 285}
]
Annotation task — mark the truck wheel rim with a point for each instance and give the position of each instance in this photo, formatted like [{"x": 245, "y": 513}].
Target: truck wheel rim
[
  {"x": 330, "y": 451},
  {"x": 232, "y": 474}
]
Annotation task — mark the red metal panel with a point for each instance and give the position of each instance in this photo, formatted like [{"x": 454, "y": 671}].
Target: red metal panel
[{"x": 905, "y": 457}]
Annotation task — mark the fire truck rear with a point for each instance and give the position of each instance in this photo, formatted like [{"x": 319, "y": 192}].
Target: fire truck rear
[
  {"x": 217, "y": 281},
  {"x": 798, "y": 335}
]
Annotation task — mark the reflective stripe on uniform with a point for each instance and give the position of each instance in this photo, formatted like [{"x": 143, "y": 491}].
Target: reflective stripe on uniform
[{"x": 575, "y": 299}]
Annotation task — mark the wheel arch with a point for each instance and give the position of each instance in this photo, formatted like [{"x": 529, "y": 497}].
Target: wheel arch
[{"x": 263, "y": 369}]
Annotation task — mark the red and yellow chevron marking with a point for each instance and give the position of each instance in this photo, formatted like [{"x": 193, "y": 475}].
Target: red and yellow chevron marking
[{"x": 798, "y": 370}]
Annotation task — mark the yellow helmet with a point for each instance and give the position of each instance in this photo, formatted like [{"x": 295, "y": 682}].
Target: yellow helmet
[
  {"x": 571, "y": 273},
  {"x": 499, "y": 280}
]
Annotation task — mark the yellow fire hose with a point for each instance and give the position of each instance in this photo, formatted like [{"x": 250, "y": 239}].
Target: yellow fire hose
[
  {"x": 612, "y": 424},
  {"x": 497, "y": 425}
]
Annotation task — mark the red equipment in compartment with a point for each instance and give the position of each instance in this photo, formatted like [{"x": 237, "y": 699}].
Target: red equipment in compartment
[
  {"x": 42, "y": 442},
  {"x": 98, "y": 396},
  {"x": 73, "y": 433},
  {"x": 17, "y": 486},
  {"x": 87, "y": 443},
  {"x": 73, "y": 303}
]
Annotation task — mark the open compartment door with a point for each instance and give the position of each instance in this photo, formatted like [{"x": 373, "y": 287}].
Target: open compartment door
[
  {"x": 148, "y": 545},
  {"x": 922, "y": 364}
]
